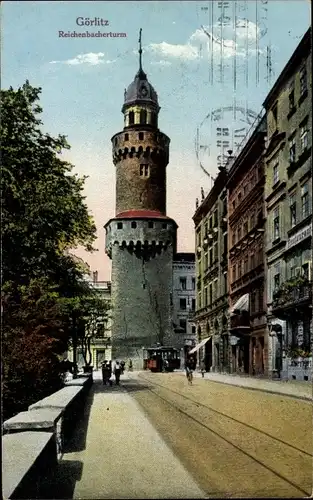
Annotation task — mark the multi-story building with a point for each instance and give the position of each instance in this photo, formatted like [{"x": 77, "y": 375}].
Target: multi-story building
[
  {"x": 211, "y": 314},
  {"x": 184, "y": 302},
  {"x": 288, "y": 195},
  {"x": 246, "y": 257},
  {"x": 141, "y": 238}
]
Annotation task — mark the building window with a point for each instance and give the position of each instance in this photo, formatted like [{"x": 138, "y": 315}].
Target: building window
[
  {"x": 304, "y": 137},
  {"x": 215, "y": 218},
  {"x": 225, "y": 283},
  {"x": 245, "y": 228},
  {"x": 183, "y": 325},
  {"x": 131, "y": 118},
  {"x": 275, "y": 113},
  {"x": 164, "y": 225},
  {"x": 144, "y": 170},
  {"x": 234, "y": 204},
  {"x": 210, "y": 292},
  {"x": 239, "y": 198},
  {"x": 153, "y": 119},
  {"x": 275, "y": 173},
  {"x": 141, "y": 136},
  {"x": 143, "y": 117},
  {"x": 293, "y": 209},
  {"x": 234, "y": 273},
  {"x": 305, "y": 200},
  {"x": 126, "y": 137},
  {"x": 211, "y": 256},
  {"x": 206, "y": 296},
  {"x": 253, "y": 302},
  {"x": 150, "y": 225},
  {"x": 215, "y": 252},
  {"x": 261, "y": 299},
  {"x": 134, "y": 225},
  {"x": 303, "y": 81},
  {"x": 239, "y": 269},
  {"x": 182, "y": 304},
  {"x": 199, "y": 301},
  {"x": 120, "y": 225},
  {"x": 292, "y": 150},
  {"x": 306, "y": 271},
  {"x": 252, "y": 220},
  {"x": 252, "y": 261},
  {"x": 238, "y": 233},
  {"x": 276, "y": 223},
  {"x": 233, "y": 238},
  {"x": 206, "y": 261},
  {"x": 193, "y": 304},
  {"x": 193, "y": 283},
  {"x": 183, "y": 283},
  {"x": 291, "y": 98},
  {"x": 215, "y": 290},
  {"x": 245, "y": 266}
]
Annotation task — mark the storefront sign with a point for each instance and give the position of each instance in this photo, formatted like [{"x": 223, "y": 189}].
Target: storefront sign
[{"x": 300, "y": 236}]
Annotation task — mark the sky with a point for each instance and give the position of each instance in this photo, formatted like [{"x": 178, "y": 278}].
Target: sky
[{"x": 211, "y": 68}]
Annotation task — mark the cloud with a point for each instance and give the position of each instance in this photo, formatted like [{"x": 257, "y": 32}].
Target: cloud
[
  {"x": 161, "y": 63},
  {"x": 91, "y": 59},
  {"x": 186, "y": 52},
  {"x": 203, "y": 41}
]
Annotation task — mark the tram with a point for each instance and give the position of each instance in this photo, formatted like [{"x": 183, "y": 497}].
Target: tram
[{"x": 159, "y": 359}]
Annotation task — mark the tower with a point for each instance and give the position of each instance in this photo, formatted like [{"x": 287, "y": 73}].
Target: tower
[{"x": 140, "y": 239}]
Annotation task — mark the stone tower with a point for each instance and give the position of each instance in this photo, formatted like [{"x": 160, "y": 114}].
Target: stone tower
[{"x": 141, "y": 239}]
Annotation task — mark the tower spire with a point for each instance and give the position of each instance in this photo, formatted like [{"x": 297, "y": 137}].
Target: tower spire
[{"x": 140, "y": 51}]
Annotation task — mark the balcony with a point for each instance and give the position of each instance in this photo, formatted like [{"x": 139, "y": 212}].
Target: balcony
[
  {"x": 240, "y": 322},
  {"x": 294, "y": 297}
]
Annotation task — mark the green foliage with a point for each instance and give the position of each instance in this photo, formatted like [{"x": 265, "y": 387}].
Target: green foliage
[{"x": 44, "y": 215}]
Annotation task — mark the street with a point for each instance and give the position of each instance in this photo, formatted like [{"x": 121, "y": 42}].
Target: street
[{"x": 157, "y": 437}]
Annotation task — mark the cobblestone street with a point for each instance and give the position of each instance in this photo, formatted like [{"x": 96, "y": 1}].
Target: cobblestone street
[{"x": 157, "y": 437}]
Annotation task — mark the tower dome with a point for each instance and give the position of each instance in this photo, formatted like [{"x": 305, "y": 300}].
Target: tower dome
[{"x": 140, "y": 90}]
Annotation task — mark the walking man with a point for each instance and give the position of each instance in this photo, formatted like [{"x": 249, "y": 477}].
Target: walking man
[
  {"x": 117, "y": 372},
  {"x": 202, "y": 368}
]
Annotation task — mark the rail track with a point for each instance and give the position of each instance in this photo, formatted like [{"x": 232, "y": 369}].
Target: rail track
[{"x": 293, "y": 461}]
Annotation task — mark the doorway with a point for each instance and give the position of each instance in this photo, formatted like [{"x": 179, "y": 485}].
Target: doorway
[{"x": 100, "y": 358}]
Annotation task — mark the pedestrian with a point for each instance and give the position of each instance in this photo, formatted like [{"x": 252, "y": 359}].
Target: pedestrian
[
  {"x": 130, "y": 365},
  {"x": 117, "y": 372},
  {"x": 202, "y": 368},
  {"x": 109, "y": 368},
  {"x": 104, "y": 369},
  {"x": 189, "y": 366},
  {"x": 122, "y": 367}
]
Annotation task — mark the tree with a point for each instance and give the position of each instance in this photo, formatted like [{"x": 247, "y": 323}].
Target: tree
[{"x": 44, "y": 215}]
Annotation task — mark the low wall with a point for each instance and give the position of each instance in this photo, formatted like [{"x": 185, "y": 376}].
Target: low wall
[{"x": 41, "y": 433}]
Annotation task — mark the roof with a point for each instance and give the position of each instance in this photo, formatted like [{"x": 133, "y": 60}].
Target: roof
[
  {"x": 298, "y": 55},
  {"x": 141, "y": 214},
  {"x": 184, "y": 257},
  {"x": 140, "y": 90}
]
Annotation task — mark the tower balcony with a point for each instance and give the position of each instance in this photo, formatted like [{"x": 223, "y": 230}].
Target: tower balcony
[{"x": 134, "y": 231}]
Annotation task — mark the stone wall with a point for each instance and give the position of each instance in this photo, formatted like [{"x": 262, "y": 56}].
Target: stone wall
[{"x": 141, "y": 295}]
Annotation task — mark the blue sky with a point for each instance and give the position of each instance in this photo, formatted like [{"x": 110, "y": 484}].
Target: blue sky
[{"x": 83, "y": 82}]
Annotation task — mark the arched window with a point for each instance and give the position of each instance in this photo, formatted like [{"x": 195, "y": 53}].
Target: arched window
[
  {"x": 154, "y": 121},
  {"x": 143, "y": 117},
  {"x": 131, "y": 117}
]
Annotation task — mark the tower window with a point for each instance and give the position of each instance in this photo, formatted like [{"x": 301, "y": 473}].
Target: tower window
[
  {"x": 134, "y": 225},
  {"x": 126, "y": 137},
  {"x": 144, "y": 170},
  {"x": 131, "y": 118},
  {"x": 164, "y": 225},
  {"x": 143, "y": 117},
  {"x": 150, "y": 224},
  {"x": 153, "y": 119},
  {"x": 141, "y": 136},
  {"x": 120, "y": 225}
]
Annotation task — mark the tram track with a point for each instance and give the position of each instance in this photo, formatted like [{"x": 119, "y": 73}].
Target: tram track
[{"x": 293, "y": 461}]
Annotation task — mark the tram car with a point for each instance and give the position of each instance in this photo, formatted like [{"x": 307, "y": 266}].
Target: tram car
[{"x": 159, "y": 359}]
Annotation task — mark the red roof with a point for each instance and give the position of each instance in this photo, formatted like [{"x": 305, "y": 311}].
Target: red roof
[{"x": 145, "y": 214}]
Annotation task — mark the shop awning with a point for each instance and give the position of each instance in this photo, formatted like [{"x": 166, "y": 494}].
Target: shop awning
[
  {"x": 202, "y": 343},
  {"x": 242, "y": 305}
]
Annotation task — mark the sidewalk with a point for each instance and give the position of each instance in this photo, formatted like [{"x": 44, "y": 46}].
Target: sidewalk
[
  {"x": 299, "y": 390},
  {"x": 124, "y": 456}
]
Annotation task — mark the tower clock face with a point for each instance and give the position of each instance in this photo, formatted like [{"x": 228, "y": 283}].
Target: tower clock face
[{"x": 143, "y": 91}]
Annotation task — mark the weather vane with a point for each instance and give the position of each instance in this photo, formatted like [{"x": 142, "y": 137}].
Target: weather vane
[{"x": 140, "y": 50}]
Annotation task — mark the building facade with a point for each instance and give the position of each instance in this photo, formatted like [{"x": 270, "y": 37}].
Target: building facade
[
  {"x": 184, "y": 302},
  {"x": 140, "y": 239},
  {"x": 211, "y": 316},
  {"x": 246, "y": 257},
  {"x": 288, "y": 196}
]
